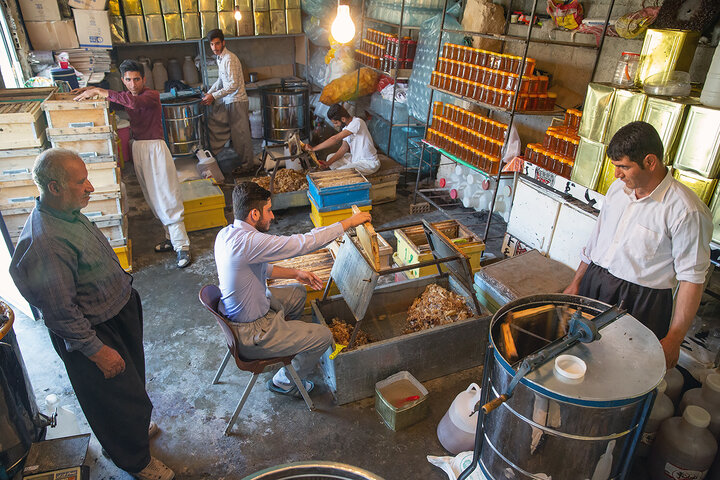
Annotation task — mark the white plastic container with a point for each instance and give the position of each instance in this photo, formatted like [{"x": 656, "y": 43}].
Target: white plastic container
[
  {"x": 707, "y": 397},
  {"x": 190, "y": 73},
  {"x": 207, "y": 166},
  {"x": 256, "y": 127},
  {"x": 710, "y": 94},
  {"x": 684, "y": 448},
  {"x": 160, "y": 75},
  {"x": 174, "y": 69},
  {"x": 456, "y": 430},
  {"x": 662, "y": 409},
  {"x": 67, "y": 422},
  {"x": 145, "y": 62},
  {"x": 675, "y": 382}
]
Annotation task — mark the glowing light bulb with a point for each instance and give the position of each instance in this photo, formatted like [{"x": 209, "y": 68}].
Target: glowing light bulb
[
  {"x": 343, "y": 28},
  {"x": 238, "y": 15}
]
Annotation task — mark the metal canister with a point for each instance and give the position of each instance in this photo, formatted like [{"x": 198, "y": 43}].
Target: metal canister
[
  {"x": 173, "y": 26},
  {"x": 225, "y": 5},
  {"x": 588, "y": 162},
  {"x": 628, "y": 106},
  {"x": 117, "y": 30},
  {"x": 246, "y": 25},
  {"x": 596, "y": 113},
  {"x": 285, "y": 110},
  {"x": 715, "y": 210},
  {"x": 155, "y": 28},
  {"x": 207, "y": 6},
  {"x": 135, "y": 28},
  {"x": 293, "y": 19},
  {"x": 170, "y": 6},
  {"x": 132, "y": 7},
  {"x": 703, "y": 187},
  {"x": 208, "y": 21},
  {"x": 191, "y": 25},
  {"x": 666, "y": 50},
  {"x": 189, "y": 6},
  {"x": 227, "y": 23},
  {"x": 181, "y": 122},
  {"x": 607, "y": 177},
  {"x": 277, "y": 22},
  {"x": 262, "y": 23},
  {"x": 667, "y": 116},
  {"x": 699, "y": 148},
  {"x": 151, "y": 7}
]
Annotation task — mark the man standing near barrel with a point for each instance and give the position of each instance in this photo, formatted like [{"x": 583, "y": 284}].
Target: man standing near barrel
[{"x": 154, "y": 165}]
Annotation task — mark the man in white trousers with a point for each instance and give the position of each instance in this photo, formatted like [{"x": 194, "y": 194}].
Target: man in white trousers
[{"x": 153, "y": 162}]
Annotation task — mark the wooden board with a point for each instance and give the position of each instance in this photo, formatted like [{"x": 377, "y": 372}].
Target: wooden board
[
  {"x": 368, "y": 240},
  {"x": 94, "y": 144},
  {"x": 65, "y": 116}
]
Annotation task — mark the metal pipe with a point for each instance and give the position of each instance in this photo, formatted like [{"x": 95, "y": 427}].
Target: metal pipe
[
  {"x": 512, "y": 118},
  {"x": 602, "y": 39}
]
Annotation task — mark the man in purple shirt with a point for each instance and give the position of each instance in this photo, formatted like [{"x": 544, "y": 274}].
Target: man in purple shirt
[{"x": 153, "y": 162}]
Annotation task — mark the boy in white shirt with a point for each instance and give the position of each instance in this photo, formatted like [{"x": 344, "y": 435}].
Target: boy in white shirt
[{"x": 356, "y": 150}]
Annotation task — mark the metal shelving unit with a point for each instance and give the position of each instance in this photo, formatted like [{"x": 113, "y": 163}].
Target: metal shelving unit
[{"x": 526, "y": 40}]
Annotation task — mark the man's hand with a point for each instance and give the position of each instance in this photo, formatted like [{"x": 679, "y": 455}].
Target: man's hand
[
  {"x": 309, "y": 278},
  {"x": 207, "y": 99},
  {"x": 109, "y": 361},
  {"x": 357, "y": 219},
  {"x": 89, "y": 93},
  {"x": 671, "y": 349},
  {"x": 572, "y": 289}
]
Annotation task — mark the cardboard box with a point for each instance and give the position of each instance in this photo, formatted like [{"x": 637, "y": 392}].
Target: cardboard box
[
  {"x": 40, "y": 10},
  {"x": 55, "y": 35},
  {"x": 93, "y": 28},
  {"x": 88, "y": 4}
]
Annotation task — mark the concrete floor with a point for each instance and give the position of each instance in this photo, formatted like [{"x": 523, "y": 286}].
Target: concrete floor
[{"x": 183, "y": 348}]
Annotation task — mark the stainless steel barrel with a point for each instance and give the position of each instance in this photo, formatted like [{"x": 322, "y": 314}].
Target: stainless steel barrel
[
  {"x": 285, "y": 110},
  {"x": 181, "y": 121},
  {"x": 313, "y": 471},
  {"x": 553, "y": 427}
]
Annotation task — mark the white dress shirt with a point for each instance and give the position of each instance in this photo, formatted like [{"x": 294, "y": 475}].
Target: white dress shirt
[
  {"x": 655, "y": 241},
  {"x": 242, "y": 256},
  {"x": 361, "y": 145},
  {"x": 230, "y": 86}
]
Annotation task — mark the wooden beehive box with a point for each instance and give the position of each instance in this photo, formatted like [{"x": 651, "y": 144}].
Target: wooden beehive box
[
  {"x": 22, "y": 123},
  {"x": 65, "y": 116},
  {"x": 320, "y": 263}
]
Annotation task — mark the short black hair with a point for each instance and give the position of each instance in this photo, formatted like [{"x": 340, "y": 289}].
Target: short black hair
[
  {"x": 246, "y": 197},
  {"x": 131, "y": 66},
  {"x": 337, "y": 112},
  {"x": 636, "y": 140},
  {"x": 215, "y": 33}
]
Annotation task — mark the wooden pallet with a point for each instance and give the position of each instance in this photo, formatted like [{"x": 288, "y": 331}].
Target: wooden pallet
[{"x": 65, "y": 116}]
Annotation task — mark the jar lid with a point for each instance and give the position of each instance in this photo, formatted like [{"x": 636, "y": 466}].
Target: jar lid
[
  {"x": 696, "y": 416},
  {"x": 713, "y": 382}
]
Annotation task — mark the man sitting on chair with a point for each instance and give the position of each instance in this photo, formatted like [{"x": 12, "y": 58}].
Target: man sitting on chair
[{"x": 257, "y": 313}]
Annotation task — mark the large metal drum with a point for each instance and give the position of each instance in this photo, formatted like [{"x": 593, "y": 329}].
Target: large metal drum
[
  {"x": 285, "y": 110},
  {"x": 566, "y": 429},
  {"x": 314, "y": 471},
  {"x": 181, "y": 121}
]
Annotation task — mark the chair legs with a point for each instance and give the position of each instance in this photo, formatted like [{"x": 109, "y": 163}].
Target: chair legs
[
  {"x": 241, "y": 403},
  {"x": 301, "y": 386},
  {"x": 222, "y": 367}
]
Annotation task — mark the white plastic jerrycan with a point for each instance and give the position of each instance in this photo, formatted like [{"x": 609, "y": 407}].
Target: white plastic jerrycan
[{"x": 456, "y": 430}]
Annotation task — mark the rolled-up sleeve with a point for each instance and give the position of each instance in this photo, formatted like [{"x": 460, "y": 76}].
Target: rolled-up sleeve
[
  {"x": 48, "y": 283},
  {"x": 691, "y": 247}
]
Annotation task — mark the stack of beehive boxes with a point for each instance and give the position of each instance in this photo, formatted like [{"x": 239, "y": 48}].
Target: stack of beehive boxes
[
  {"x": 22, "y": 139},
  {"x": 88, "y": 128},
  {"x": 333, "y": 193}
]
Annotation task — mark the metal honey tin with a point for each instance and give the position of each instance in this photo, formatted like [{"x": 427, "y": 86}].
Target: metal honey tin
[
  {"x": 191, "y": 25},
  {"x": 226, "y": 23},
  {"x": 151, "y": 7},
  {"x": 117, "y": 30},
  {"x": 135, "y": 25},
  {"x": 293, "y": 20},
  {"x": 208, "y": 21},
  {"x": 666, "y": 50},
  {"x": 114, "y": 8},
  {"x": 261, "y": 5},
  {"x": 588, "y": 163},
  {"x": 246, "y": 25},
  {"x": 699, "y": 147},
  {"x": 262, "y": 23},
  {"x": 189, "y": 6},
  {"x": 667, "y": 117},
  {"x": 607, "y": 176},
  {"x": 173, "y": 26},
  {"x": 225, "y": 5},
  {"x": 628, "y": 106},
  {"x": 170, "y": 6},
  {"x": 132, "y": 7},
  {"x": 596, "y": 112},
  {"x": 277, "y": 22},
  {"x": 703, "y": 187},
  {"x": 155, "y": 28},
  {"x": 207, "y": 6}
]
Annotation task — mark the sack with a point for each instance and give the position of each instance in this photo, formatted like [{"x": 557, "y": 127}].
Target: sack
[
  {"x": 345, "y": 87},
  {"x": 565, "y": 14},
  {"x": 634, "y": 24}
]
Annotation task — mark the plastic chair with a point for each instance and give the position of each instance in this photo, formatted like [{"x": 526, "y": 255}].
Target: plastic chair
[{"x": 210, "y": 297}]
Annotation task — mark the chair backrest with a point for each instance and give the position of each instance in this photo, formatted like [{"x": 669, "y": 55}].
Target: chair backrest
[{"x": 210, "y": 297}]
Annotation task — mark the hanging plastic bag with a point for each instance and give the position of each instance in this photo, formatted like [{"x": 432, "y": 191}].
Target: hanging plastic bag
[
  {"x": 633, "y": 25},
  {"x": 346, "y": 87},
  {"x": 565, "y": 14}
]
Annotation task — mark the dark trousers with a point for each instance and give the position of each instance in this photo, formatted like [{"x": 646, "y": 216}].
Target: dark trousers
[
  {"x": 118, "y": 409},
  {"x": 651, "y": 306}
]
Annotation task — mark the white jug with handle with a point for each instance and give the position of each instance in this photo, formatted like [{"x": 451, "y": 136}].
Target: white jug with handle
[{"x": 456, "y": 430}]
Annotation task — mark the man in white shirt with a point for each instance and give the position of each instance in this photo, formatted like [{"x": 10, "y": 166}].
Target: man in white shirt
[
  {"x": 652, "y": 233},
  {"x": 243, "y": 252},
  {"x": 356, "y": 150},
  {"x": 229, "y": 119}
]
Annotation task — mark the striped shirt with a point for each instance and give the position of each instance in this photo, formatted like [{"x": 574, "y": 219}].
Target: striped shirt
[
  {"x": 64, "y": 266},
  {"x": 230, "y": 86}
]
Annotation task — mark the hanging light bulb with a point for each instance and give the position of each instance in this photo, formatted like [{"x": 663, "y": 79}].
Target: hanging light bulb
[
  {"x": 343, "y": 28},
  {"x": 238, "y": 15}
]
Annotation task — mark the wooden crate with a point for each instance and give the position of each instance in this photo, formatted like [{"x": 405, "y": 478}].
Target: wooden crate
[
  {"x": 86, "y": 145},
  {"x": 319, "y": 262},
  {"x": 21, "y": 192},
  {"x": 15, "y": 219},
  {"x": 18, "y": 193},
  {"x": 114, "y": 228},
  {"x": 17, "y": 164},
  {"x": 101, "y": 171},
  {"x": 22, "y": 124},
  {"x": 104, "y": 202},
  {"x": 65, "y": 116},
  {"x": 103, "y": 174}
]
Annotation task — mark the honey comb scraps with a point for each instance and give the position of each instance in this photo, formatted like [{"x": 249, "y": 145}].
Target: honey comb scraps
[
  {"x": 341, "y": 332},
  {"x": 286, "y": 180},
  {"x": 436, "y": 306}
]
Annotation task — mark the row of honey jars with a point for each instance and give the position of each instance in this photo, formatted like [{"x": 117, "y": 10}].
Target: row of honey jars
[
  {"x": 572, "y": 119},
  {"x": 467, "y": 136},
  {"x": 373, "y": 48},
  {"x": 365, "y": 58},
  {"x": 493, "y": 77},
  {"x": 378, "y": 37},
  {"x": 478, "y": 159},
  {"x": 561, "y": 144},
  {"x": 478, "y": 123},
  {"x": 553, "y": 162},
  {"x": 484, "y": 58},
  {"x": 496, "y": 97}
]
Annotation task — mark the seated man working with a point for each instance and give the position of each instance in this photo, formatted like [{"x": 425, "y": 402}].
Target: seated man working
[
  {"x": 356, "y": 150},
  {"x": 243, "y": 252}
]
